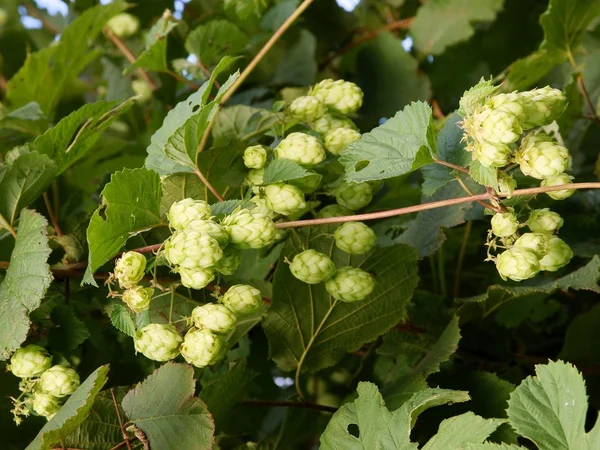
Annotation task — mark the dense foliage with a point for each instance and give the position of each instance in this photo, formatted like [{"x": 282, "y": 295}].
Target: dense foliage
[{"x": 285, "y": 224}]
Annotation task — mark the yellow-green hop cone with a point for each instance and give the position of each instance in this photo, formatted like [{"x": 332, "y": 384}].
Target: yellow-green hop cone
[
  {"x": 261, "y": 207},
  {"x": 210, "y": 228},
  {"x": 202, "y": 348},
  {"x": 491, "y": 155},
  {"x": 350, "y": 284},
  {"x": 196, "y": 277},
  {"x": 541, "y": 106},
  {"x": 301, "y": 148},
  {"x": 59, "y": 381},
  {"x": 142, "y": 90},
  {"x": 158, "y": 342},
  {"x": 540, "y": 157},
  {"x": 214, "y": 317},
  {"x": 123, "y": 25},
  {"x": 231, "y": 260},
  {"x": 518, "y": 264},
  {"x": 544, "y": 221},
  {"x": 45, "y": 405},
  {"x": 493, "y": 126},
  {"x": 536, "y": 242},
  {"x": 559, "y": 180},
  {"x": 191, "y": 249},
  {"x": 354, "y": 196},
  {"x": 558, "y": 254},
  {"x": 506, "y": 185},
  {"x": 308, "y": 108},
  {"x": 247, "y": 230},
  {"x": 355, "y": 238},
  {"x": 341, "y": 96},
  {"x": 338, "y": 139},
  {"x": 183, "y": 212},
  {"x": 138, "y": 298},
  {"x": 331, "y": 121},
  {"x": 242, "y": 299},
  {"x": 255, "y": 157},
  {"x": 129, "y": 269},
  {"x": 284, "y": 198},
  {"x": 30, "y": 361},
  {"x": 334, "y": 211},
  {"x": 312, "y": 267},
  {"x": 254, "y": 178},
  {"x": 504, "y": 224}
]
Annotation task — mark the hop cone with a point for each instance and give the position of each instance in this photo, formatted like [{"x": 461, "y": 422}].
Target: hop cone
[
  {"x": 255, "y": 157},
  {"x": 540, "y": 157},
  {"x": 123, "y": 25},
  {"x": 248, "y": 230},
  {"x": 541, "y": 106},
  {"x": 491, "y": 155},
  {"x": 301, "y": 148},
  {"x": 559, "y": 180},
  {"x": 341, "y": 96},
  {"x": 493, "y": 126},
  {"x": 355, "y": 238},
  {"x": 138, "y": 298},
  {"x": 307, "y": 108},
  {"x": 242, "y": 299},
  {"x": 517, "y": 264},
  {"x": 210, "y": 228},
  {"x": 334, "y": 211},
  {"x": 202, "y": 347},
  {"x": 30, "y": 361},
  {"x": 187, "y": 210},
  {"x": 544, "y": 221},
  {"x": 354, "y": 196},
  {"x": 129, "y": 269},
  {"x": 350, "y": 284},
  {"x": 197, "y": 277},
  {"x": 536, "y": 242},
  {"x": 312, "y": 267},
  {"x": 231, "y": 260},
  {"x": 191, "y": 249},
  {"x": 558, "y": 254},
  {"x": 284, "y": 198},
  {"x": 504, "y": 224},
  {"x": 59, "y": 381},
  {"x": 45, "y": 405},
  {"x": 331, "y": 121},
  {"x": 338, "y": 139},
  {"x": 157, "y": 342},
  {"x": 215, "y": 317}
]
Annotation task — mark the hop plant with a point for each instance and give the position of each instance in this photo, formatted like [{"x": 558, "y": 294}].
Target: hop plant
[
  {"x": 284, "y": 198},
  {"x": 536, "y": 242},
  {"x": 506, "y": 185},
  {"x": 201, "y": 347},
  {"x": 197, "y": 277},
  {"x": 330, "y": 122},
  {"x": 138, "y": 298},
  {"x": 191, "y": 249},
  {"x": 210, "y": 228},
  {"x": 557, "y": 255},
  {"x": 215, "y": 317},
  {"x": 518, "y": 264},
  {"x": 129, "y": 269},
  {"x": 334, "y": 211},
  {"x": 301, "y": 148},
  {"x": 142, "y": 90},
  {"x": 242, "y": 299},
  {"x": 504, "y": 224},
  {"x": 183, "y": 212},
  {"x": 312, "y": 267},
  {"x": 338, "y": 139},
  {"x": 355, "y": 238},
  {"x": 308, "y": 108},
  {"x": 255, "y": 177},
  {"x": 123, "y": 25},
  {"x": 491, "y": 155},
  {"x": 307, "y": 184},
  {"x": 59, "y": 381},
  {"x": 341, "y": 96},
  {"x": 158, "y": 342},
  {"x": 45, "y": 405},
  {"x": 255, "y": 157},
  {"x": 231, "y": 260},
  {"x": 354, "y": 196},
  {"x": 350, "y": 284},
  {"x": 544, "y": 221},
  {"x": 30, "y": 361},
  {"x": 247, "y": 230},
  {"x": 540, "y": 157},
  {"x": 539, "y": 106},
  {"x": 261, "y": 207},
  {"x": 559, "y": 180},
  {"x": 493, "y": 126}
]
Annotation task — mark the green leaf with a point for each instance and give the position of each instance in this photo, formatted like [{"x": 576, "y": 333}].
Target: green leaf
[
  {"x": 28, "y": 120},
  {"x": 581, "y": 338},
  {"x": 280, "y": 170},
  {"x": 572, "y": 114},
  {"x": 486, "y": 176},
  {"x": 121, "y": 319},
  {"x": 403, "y": 144},
  {"x": 442, "y": 23},
  {"x": 298, "y": 65},
  {"x": 213, "y": 39},
  {"x": 550, "y": 409},
  {"x": 241, "y": 123},
  {"x": 476, "y": 96},
  {"x": 492, "y": 446},
  {"x": 306, "y": 327},
  {"x": 179, "y": 186},
  {"x": 229, "y": 206},
  {"x": 68, "y": 332},
  {"x": 72, "y": 413},
  {"x": 459, "y": 430},
  {"x": 27, "y": 280},
  {"x": 154, "y": 57},
  {"x": 224, "y": 168},
  {"x": 131, "y": 205},
  {"x": 23, "y": 178},
  {"x": 164, "y": 407}
]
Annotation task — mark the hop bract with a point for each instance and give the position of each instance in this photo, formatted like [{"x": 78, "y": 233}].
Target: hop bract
[
  {"x": 308, "y": 108},
  {"x": 123, "y": 25},
  {"x": 493, "y": 126},
  {"x": 158, "y": 342},
  {"x": 544, "y": 221},
  {"x": 558, "y": 254},
  {"x": 354, "y": 196},
  {"x": 312, "y": 267},
  {"x": 217, "y": 318},
  {"x": 350, "y": 284},
  {"x": 138, "y": 298},
  {"x": 536, "y": 242},
  {"x": 338, "y": 139},
  {"x": 191, "y": 249},
  {"x": 334, "y": 211},
  {"x": 196, "y": 277},
  {"x": 355, "y": 238},
  {"x": 301, "y": 148},
  {"x": 341, "y": 96},
  {"x": 45, "y": 405},
  {"x": 231, "y": 260},
  {"x": 242, "y": 299},
  {"x": 331, "y": 121},
  {"x": 491, "y": 155},
  {"x": 248, "y": 230},
  {"x": 183, "y": 212},
  {"x": 541, "y": 106},
  {"x": 559, "y": 180},
  {"x": 129, "y": 269},
  {"x": 255, "y": 157},
  {"x": 59, "y": 381},
  {"x": 504, "y": 224},
  {"x": 255, "y": 177},
  {"x": 261, "y": 207},
  {"x": 506, "y": 185},
  {"x": 518, "y": 264},
  {"x": 540, "y": 157},
  {"x": 284, "y": 198},
  {"x": 30, "y": 361},
  {"x": 212, "y": 229},
  {"x": 202, "y": 347}
]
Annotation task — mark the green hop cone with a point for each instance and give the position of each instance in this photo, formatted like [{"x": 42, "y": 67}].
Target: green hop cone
[
  {"x": 354, "y": 196},
  {"x": 540, "y": 157},
  {"x": 334, "y": 211},
  {"x": 355, "y": 238},
  {"x": 350, "y": 284},
  {"x": 138, "y": 298},
  {"x": 490, "y": 155},
  {"x": 215, "y": 317},
  {"x": 504, "y": 224},
  {"x": 45, "y": 405},
  {"x": 262, "y": 208},
  {"x": 196, "y": 277},
  {"x": 284, "y": 198},
  {"x": 129, "y": 269},
  {"x": 338, "y": 139},
  {"x": 536, "y": 242},
  {"x": 202, "y": 347},
  {"x": 191, "y": 249},
  {"x": 558, "y": 254},
  {"x": 518, "y": 264},
  {"x": 559, "y": 180},
  {"x": 142, "y": 90},
  {"x": 254, "y": 178},
  {"x": 341, "y": 96},
  {"x": 30, "y": 361},
  {"x": 231, "y": 260},
  {"x": 506, "y": 185},
  {"x": 183, "y": 212},
  {"x": 59, "y": 381},
  {"x": 542, "y": 106},
  {"x": 242, "y": 299},
  {"x": 544, "y": 221},
  {"x": 493, "y": 126},
  {"x": 308, "y": 108},
  {"x": 210, "y": 228},
  {"x": 312, "y": 267},
  {"x": 301, "y": 148},
  {"x": 330, "y": 122},
  {"x": 255, "y": 157},
  {"x": 248, "y": 230},
  {"x": 158, "y": 342},
  {"x": 123, "y": 25}
]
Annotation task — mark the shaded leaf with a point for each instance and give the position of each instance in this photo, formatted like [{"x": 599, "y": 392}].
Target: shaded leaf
[
  {"x": 68, "y": 332},
  {"x": 121, "y": 319},
  {"x": 154, "y": 57},
  {"x": 280, "y": 170},
  {"x": 486, "y": 176},
  {"x": 213, "y": 39},
  {"x": 241, "y": 123},
  {"x": 298, "y": 65}
]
